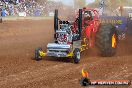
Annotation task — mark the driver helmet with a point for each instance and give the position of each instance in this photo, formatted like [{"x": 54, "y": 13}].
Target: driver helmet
[{"x": 86, "y": 14}]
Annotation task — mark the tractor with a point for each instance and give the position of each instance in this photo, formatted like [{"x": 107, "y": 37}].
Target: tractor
[{"x": 72, "y": 38}]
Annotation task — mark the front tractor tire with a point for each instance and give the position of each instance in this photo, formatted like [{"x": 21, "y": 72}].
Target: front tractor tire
[
  {"x": 76, "y": 55},
  {"x": 37, "y": 54},
  {"x": 107, "y": 40}
]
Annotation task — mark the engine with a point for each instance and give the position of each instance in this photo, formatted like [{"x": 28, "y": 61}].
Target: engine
[{"x": 64, "y": 34}]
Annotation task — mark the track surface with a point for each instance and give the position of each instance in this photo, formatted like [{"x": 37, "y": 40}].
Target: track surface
[{"x": 18, "y": 39}]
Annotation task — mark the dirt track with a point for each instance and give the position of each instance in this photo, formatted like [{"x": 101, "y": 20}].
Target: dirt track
[{"x": 18, "y": 69}]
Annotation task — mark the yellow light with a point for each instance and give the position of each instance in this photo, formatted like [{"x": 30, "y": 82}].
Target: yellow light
[{"x": 113, "y": 41}]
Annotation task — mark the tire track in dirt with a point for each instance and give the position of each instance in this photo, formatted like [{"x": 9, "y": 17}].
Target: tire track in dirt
[
  {"x": 124, "y": 72},
  {"x": 45, "y": 73},
  {"x": 52, "y": 71}
]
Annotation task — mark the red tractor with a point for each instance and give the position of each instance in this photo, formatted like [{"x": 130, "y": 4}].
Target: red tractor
[{"x": 71, "y": 38}]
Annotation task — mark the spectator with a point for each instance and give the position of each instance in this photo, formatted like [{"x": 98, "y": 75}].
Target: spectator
[{"x": 4, "y": 13}]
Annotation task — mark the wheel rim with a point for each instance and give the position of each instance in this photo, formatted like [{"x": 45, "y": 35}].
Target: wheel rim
[
  {"x": 113, "y": 41},
  {"x": 78, "y": 55}
]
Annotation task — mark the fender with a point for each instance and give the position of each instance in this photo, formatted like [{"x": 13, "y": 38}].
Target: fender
[{"x": 88, "y": 32}]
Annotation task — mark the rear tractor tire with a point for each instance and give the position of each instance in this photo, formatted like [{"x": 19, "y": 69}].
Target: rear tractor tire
[
  {"x": 107, "y": 40},
  {"x": 76, "y": 55},
  {"x": 37, "y": 55}
]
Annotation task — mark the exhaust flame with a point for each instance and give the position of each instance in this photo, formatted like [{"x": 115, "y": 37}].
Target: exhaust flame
[{"x": 85, "y": 74}]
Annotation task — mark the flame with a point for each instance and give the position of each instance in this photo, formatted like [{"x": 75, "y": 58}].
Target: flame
[{"x": 85, "y": 74}]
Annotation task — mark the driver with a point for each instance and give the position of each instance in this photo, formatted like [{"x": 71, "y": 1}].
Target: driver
[{"x": 87, "y": 17}]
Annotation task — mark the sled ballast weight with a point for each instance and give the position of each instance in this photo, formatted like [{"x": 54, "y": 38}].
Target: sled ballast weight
[{"x": 71, "y": 38}]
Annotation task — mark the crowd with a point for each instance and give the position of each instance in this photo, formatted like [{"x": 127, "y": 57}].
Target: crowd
[{"x": 21, "y": 8}]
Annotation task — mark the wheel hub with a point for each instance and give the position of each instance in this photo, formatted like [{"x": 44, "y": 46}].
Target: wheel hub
[{"x": 78, "y": 55}]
